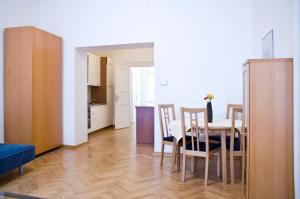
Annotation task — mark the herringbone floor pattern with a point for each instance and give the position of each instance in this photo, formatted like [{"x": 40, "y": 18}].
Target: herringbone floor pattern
[{"x": 112, "y": 166}]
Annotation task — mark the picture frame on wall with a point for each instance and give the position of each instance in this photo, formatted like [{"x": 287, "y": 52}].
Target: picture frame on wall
[{"x": 268, "y": 45}]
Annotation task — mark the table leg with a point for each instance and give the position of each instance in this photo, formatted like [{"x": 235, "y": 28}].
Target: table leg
[{"x": 224, "y": 158}]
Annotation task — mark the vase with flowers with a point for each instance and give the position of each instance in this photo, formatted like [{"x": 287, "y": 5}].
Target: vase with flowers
[{"x": 209, "y": 97}]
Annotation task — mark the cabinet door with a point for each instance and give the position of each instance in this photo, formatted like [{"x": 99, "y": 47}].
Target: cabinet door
[
  {"x": 93, "y": 70},
  {"x": 270, "y": 150},
  {"x": 106, "y": 115},
  {"x": 95, "y": 118},
  {"x": 47, "y": 95}
]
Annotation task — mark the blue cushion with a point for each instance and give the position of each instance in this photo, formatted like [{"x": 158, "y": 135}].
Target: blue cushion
[
  {"x": 236, "y": 146},
  {"x": 202, "y": 145},
  {"x": 14, "y": 155},
  {"x": 215, "y": 138},
  {"x": 170, "y": 138}
]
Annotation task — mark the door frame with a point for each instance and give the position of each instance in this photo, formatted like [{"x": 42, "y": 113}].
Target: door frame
[{"x": 130, "y": 65}]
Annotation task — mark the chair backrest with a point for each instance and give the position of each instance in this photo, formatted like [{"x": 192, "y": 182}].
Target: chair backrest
[
  {"x": 235, "y": 111},
  {"x": 166, "y": 114},
  {"x": 229, "y": 110},
  {"x": 191, "y": 122}
]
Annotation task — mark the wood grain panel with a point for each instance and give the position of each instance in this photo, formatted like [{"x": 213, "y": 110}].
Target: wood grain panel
[
  {"x": 271, "y": 130},
  {"x": 47, "y": 96},
  {"x": 18, "y": 43}
]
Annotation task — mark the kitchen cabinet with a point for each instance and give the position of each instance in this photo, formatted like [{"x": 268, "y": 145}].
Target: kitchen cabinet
[
  {"x": 102, "y": 109},
  {"x": 93, "y": 70},
  {"x": 95, "y": 117},
  {"x": 99, "y": 94},
  {"x": 101, "y": 116}
]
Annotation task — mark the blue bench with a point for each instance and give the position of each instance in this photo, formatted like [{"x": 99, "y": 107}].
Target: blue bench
[{"x": 14, "y": 156}]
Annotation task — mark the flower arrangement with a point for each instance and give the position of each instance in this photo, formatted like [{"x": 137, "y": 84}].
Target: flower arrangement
[{"x": 209, "y": 96}]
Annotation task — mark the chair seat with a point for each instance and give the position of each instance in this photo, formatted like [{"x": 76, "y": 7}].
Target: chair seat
[
  {"x": 236, "y": 145},
  {"x": 169, "y": 138},
  {"x": 187, "y": 139},
  {"x": 202, "y": 145}
]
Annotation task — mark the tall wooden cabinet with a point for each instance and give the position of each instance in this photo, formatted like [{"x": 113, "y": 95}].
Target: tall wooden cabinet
[
  {"x": 268, "y": 105},
  {"x": 32, "y": 88}
]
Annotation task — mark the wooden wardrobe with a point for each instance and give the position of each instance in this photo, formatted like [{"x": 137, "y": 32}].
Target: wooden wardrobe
[
  {"x": 32, "y": 88},
  {"x": 268, "y": 105}
]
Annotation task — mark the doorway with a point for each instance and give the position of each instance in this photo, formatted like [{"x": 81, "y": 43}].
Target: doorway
[
  {"x": 134, "y": 86},
  {"x": 142, "y": 88},
  {"x": 122, "y": 57}
]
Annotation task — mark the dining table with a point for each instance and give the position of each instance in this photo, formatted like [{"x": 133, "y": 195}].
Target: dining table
[{"x": 216, "y": 127}]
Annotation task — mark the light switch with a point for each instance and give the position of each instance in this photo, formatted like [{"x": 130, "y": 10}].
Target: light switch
[{"x": 164, "y": 83}]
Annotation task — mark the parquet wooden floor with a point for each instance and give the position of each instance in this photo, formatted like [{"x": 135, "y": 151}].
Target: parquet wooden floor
[{"x": 112, "y": 166}]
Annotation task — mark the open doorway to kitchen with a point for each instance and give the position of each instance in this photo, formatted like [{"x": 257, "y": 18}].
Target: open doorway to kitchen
[{"x": 103, "y": 85}]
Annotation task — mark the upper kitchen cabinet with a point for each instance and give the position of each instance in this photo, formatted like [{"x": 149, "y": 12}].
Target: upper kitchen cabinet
[
  {"x": 101, "y": 94},
  {"x": 93, "y": 70}
]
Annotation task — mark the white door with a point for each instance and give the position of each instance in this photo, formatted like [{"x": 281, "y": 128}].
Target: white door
[{"x": 122, "y": 97}]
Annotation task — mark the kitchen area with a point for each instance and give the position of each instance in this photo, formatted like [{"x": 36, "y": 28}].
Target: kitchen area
[{"x": 100, "y": 92}]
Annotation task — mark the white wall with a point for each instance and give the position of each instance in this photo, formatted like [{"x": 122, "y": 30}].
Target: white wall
[
  {"x": 14, "y": 13},
  {"x": 81, "y": 98},
  {"x": 276, "y": 15},
  {"x": 199, "y": 46}
]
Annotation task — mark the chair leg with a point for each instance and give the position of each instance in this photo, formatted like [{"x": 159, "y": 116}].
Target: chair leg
[
  {"x": 174, "y": 149},
  {"x": 193, "y": 160},
  {"x": 178, "y": 158},
  {"x": 243, "y": 159},
  {"x": 243, "y": 169},
  {"x": 162, "y": 154},
  {"x": 231, "y": 168},
  {"x": 219, "y": 164},
  {"x": 183, "y": 167},
  {"x": 21, "y": 170},
  {"x": 206, "y": 169}
]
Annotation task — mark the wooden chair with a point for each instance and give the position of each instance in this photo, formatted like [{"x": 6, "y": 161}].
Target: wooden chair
[
  {"x": 235, "y": 140},
  {"x": 166, "y": 138},
  {"x": 229, "y": 109},
  {"x": 198, "y": 147},
  {"x": 236, "y": 143}
]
